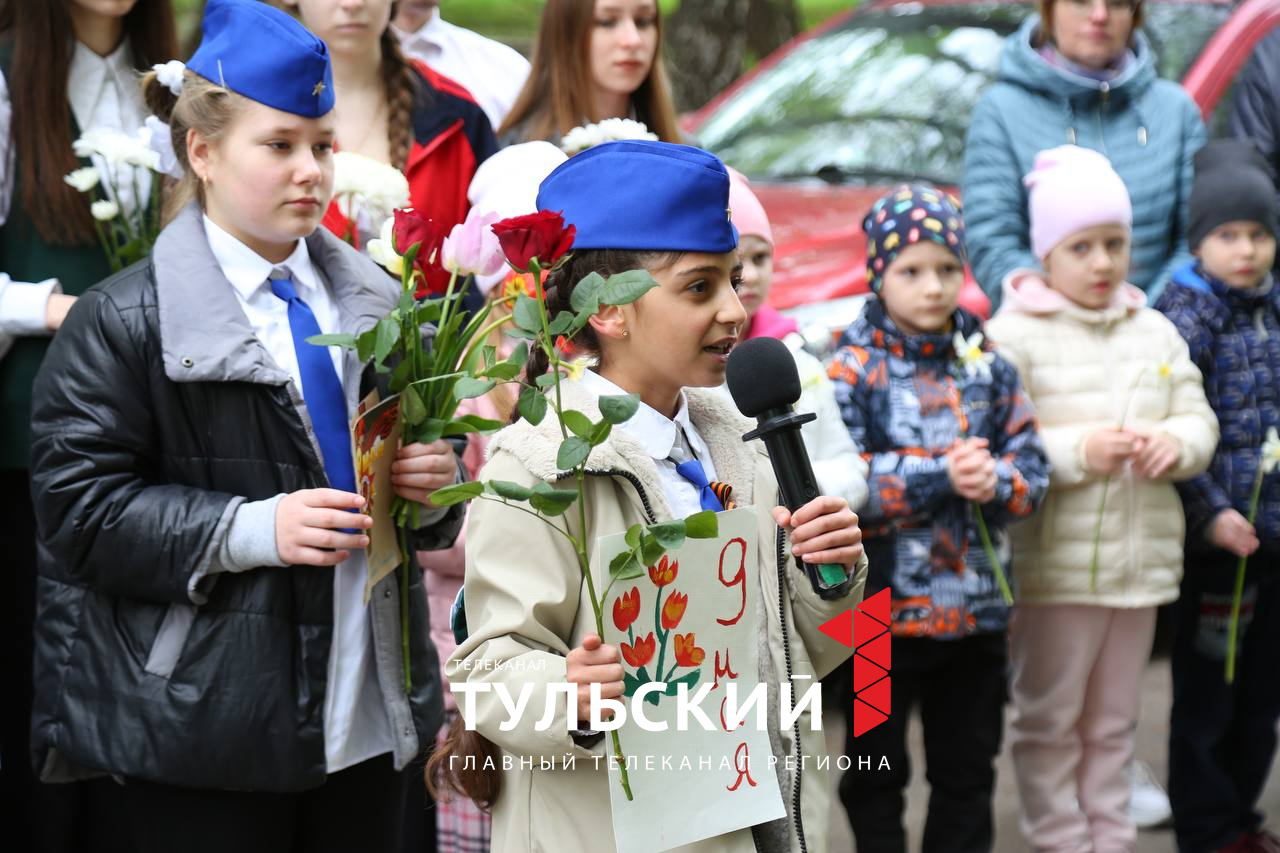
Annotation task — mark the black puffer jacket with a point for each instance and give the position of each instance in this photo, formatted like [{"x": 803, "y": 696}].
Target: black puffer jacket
[{"x": 157, "y": 414}]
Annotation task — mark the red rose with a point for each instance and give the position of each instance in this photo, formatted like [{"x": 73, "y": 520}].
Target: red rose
[
  {"x": 413, "y": 228},
  {"x": 542, "y": 235}
]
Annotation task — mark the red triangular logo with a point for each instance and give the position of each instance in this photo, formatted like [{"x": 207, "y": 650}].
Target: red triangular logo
[
  {"x": 865, "y": 718},
  {"x": 878, "y": 651},
  {"x": 865, "y": 628},
  {"x": 877, "y": 606},
  {"x": 840, "y": 628},
  {"x": 877, "y": 696},
  {"x": 865, "y": 672}
]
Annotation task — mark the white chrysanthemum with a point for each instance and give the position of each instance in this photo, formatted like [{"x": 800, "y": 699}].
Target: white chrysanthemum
[
  {"x": 83, "y": 179},
  {"x": 382, "y": 250},
  {"x": 363, "y": 185},
  {"x": 1270, "y": 451},
  {"x": 104, "y": 211},
  {"x": 970, "y": 355},
  {"x": 610, "y": 130}
]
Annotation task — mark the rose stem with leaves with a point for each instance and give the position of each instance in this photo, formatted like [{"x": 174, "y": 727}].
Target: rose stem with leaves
[{"x": 1233, "y": 627}]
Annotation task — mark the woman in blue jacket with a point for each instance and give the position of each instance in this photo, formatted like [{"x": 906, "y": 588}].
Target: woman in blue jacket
[{"x": 1080, "y": 73}]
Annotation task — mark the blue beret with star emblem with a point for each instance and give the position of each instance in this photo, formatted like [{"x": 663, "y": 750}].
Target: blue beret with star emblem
[
  {"x": 638, "y": 194},
  {"x": 260, "y": 52}
]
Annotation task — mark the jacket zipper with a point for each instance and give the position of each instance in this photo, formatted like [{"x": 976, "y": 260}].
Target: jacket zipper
[
  {"x": 634, "y": 481},
  {"x": 786, "y": 654}
]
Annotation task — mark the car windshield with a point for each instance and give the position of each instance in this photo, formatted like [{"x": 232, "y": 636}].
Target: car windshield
[{"x": 887, "y": 95}]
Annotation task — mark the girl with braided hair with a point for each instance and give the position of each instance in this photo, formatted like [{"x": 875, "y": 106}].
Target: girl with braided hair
[{"x": 399, "y": 111}]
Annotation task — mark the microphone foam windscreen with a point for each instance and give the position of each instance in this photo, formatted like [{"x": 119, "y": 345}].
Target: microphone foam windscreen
[{"x": 762, "y": 375}]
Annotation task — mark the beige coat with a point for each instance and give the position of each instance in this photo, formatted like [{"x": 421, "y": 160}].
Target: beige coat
[
  {"x": 1084, "y": 371},
  {"x": 526, "y": 604}
]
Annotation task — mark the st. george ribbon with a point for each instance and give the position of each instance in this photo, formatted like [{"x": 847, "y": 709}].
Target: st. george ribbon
[{"x": 765, "y": 385}]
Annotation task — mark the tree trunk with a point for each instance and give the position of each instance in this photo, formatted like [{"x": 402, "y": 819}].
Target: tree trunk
[{"x": 709, "y": 43}]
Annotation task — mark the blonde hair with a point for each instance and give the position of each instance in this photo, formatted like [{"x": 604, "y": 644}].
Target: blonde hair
[{"x": 203, "y": 106}]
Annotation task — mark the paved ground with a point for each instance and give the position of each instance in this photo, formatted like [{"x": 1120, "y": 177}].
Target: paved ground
[{"x": 1152, "y": 733}]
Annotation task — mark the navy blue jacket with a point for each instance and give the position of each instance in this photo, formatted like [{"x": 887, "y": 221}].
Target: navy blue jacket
[{"x": 1234, "y": 338}]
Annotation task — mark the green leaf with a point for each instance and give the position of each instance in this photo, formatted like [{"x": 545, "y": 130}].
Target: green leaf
[
  {"x": 551, "y": 501},
  {"x": 619, "y": 408},
  {"x": 689, "y": 678},
  {"x": 546, "y": 380},
  {"x": 630, "y": 684},
  {"x": 586, "y": 294},
  {"x": 670, "y": 534},
  {"x": 469, "y": 387},
  {"x": 578, "y": 423},
  {"x": 402, "y": 375},
  {"x": 364, "y": 344},
  {"x": 431, "y": 429},
  {"x": 489, "y": 355},
  {"x": 521, "y": 334},
  {"x": 411, "y": 407},
  {"x": 626, "y": 287},
  {"x": 429, "y": 311},
  {"x": 457, "y": 493},
  {"x": 600, "y": 433},
  {"x": 650, "y": 549},
  {"x": 510, "y": 491},
  {"x": 625, "y": 566},
  {"x": 503, "y": 372},
  {"x": 472, "y": 423},
  {"x": 561, "y": 324},
  {"x": 573, "y": 452},
  {"x": 532, "y": 405},
  {"x": 526, "y": 314},
  {"x": 702, "y": 525},
  {"x": 632, "y": 537},
  {"x": 520, "y": 355},
  {"x": 339, "y": 340},
  {"x": 386, "y": 336}
]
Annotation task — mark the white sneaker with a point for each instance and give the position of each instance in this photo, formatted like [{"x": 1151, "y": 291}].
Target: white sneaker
[{"x": 1148, "y": 803}]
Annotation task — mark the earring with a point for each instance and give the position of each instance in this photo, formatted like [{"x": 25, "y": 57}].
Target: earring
[{"x": 626, "y": 333}]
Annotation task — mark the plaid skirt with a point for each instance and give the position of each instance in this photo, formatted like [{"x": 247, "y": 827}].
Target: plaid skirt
[{"x": 461, "y": 827}]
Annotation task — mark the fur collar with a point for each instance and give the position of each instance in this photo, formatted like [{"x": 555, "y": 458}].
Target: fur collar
[{"x": 720, "y": 427}]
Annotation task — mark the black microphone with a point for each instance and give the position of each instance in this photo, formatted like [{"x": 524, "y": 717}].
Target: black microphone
[{"x": 765, "y": 385}]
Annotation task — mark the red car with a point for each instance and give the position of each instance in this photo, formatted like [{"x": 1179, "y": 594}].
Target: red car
[{"x": 881, "y": 95}]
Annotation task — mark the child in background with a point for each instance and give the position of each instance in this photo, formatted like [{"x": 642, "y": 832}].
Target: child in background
[
  {"x": 836, "y": 463},
  {"x": 944, "y": 440},
  {"x": 1123, "y": 414},
  {"x": 528, "y": 617},
  {"x": 1222, "y": 737}
]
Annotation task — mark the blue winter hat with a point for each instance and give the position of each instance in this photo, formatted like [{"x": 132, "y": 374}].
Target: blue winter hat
[
  {"x": 637, "y": 194},
  {"x": 260, "y": 52},
  {"x": 911, "y": 213}
]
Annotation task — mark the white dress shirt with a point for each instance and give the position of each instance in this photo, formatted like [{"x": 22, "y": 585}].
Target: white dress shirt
[
  {"x": 658, "y": 434},
  {"x": 103, "y": 91},
  {"x": 356, "y": 727},
  {"x": 493, "y": 72}
]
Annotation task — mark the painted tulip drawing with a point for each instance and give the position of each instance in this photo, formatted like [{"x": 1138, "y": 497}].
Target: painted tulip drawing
[{"x": 673, "y": 652}]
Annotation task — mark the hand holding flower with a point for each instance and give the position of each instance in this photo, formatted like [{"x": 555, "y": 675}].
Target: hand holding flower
[
  {"x": 421, "y": 469},
  {"x": 1157, "y": 453},
  {"x": 823, "y": 531},
  {"x": 972, "y": 470},
  {"x": 1232, "y": 532},
  {"x": 591, "y": 663},
  {"x": 1106, "y": 450}
]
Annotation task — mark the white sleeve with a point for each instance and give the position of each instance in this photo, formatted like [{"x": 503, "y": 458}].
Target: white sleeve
[
  {"x": 6, "y": 150},
  {"x": 22, "y": 305},
  {"x": 839, "y": 467}
]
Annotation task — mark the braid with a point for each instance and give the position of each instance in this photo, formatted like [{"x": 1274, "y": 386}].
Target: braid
[
  {"x": 559, "y": 289},
  {"x": 401, "y": 83}
]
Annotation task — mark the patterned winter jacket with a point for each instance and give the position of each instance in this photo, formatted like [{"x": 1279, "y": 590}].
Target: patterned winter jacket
[
  {"x": 1234, "y": 338},
  {"x": 906, "y": 401}
]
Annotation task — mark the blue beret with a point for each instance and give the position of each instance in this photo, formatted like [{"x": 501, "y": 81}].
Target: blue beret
[
  {"x": 637, "y": 194},
  {"x": 260, "y": 52}
]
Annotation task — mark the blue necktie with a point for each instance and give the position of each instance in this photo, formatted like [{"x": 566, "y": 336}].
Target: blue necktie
[
  {"x": 321, "y": 388},
  {"x": 693, "y": 471}
]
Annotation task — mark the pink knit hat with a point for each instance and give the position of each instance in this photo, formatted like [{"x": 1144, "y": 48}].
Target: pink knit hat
[
  {"x": 1073, "y": 188},
  {"x": 746, "y": 210}
]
